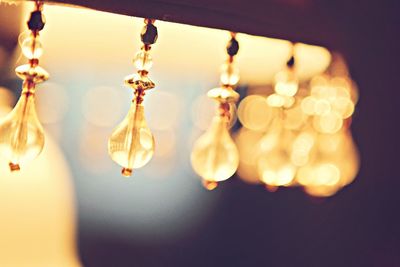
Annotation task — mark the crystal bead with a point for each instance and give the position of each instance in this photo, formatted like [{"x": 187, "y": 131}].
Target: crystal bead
[
  {"x": 137, "y": 81},
  {"x": 223, "y": 94},
  {"x": 149, "y": 34},
  {"x": 36, "y": 21},
  {"x": 35, "y": 74},
  {"x": 290, "y": 62},
  {"x": 286, "y": 83},
  {"x": 233, "y": 47},
  {"x": 32, "y": 48},
  {"x": 229, "y": 74},
  {"x": 143, "y": 60}
]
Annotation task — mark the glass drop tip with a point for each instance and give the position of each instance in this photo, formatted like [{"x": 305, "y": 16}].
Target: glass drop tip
[
  {"x": 210, "y": 185},
  {"x": 127, "y": 172},
  {"x": 14, "y": 167}
]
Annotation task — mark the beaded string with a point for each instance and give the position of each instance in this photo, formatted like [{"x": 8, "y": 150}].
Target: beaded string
[
  {"x": 140, "y": 82},
  {"x": 32, "y": 73},
  {"x": 226, "y": 95},
  {"x": 143, "y": 61}
]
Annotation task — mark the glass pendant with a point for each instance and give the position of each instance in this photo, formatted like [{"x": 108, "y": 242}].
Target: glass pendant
[
  {"x": 131, "y": 144},
  {"x": 215, "y": 157},
  {"x": 286, "y": 85},
  {"x": 21, "y": 134},
  {"x": 274, "y": 164}
]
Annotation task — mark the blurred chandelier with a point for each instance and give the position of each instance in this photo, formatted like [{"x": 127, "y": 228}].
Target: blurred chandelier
[{"x": 306, "y": 141}]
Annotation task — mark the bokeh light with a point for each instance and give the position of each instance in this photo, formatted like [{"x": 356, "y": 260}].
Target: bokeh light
[
  {"x": 255, "y": 113},
  {"x": 100, "y": 106}
]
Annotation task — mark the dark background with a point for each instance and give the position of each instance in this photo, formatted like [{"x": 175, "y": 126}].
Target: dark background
[{"x": 360, "y": 225}]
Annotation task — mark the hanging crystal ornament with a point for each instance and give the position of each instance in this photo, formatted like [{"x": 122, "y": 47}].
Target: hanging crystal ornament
[
  {"x": 131, "y": 145},
  {"x": 274, "y": 163},
  {"x": 286, "y": 85},
  {"x": 215, "y": 156},
  {"x": 21, "y": 134}
]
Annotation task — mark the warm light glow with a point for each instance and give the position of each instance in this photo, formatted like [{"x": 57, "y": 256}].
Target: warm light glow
[
  {"x": 276, "y": 171},
  {"x": 37, "y": 228},
  {"x": 275, "y": 100},
  {"x": 294, "y": 118},
  {"x": 319, "y": 175},
  {"x": 247, "y": 142},
  {"x": 286, "y": 83},
  {"x": 330, "y": 123},
  {"x": 330, "y": 102},
  {"x": 334, "y": 164},
  {"x": 254, "y": 113},
  {"x": 301, "y": 148},
  {"x": 273, "y": 164},
  {"x": 215, "y": 156}
]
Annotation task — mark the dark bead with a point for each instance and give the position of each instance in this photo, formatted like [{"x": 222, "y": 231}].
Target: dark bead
[
  {"x": 290, "y": 62},
  {"x": 36, "y": 21},
  {"x": 233, "y": 47},
  {"x": 149, "y": 34}
]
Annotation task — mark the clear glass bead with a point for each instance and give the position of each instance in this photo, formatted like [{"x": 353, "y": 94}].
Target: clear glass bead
[
  {"x": 35, "y": 74},
  {"x": 32, "y": 47},
  {"x": 137, "y": 81},
  {"x": 143, "y": 60},
  {"x": 229, "y": 74},
  {"x": 286, "y": 83},
  {"x": 223, "y": 94}
]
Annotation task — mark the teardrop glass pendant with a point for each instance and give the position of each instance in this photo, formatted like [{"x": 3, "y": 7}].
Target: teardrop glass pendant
[
  {"x": 21, "y": 134},
  {"x": 215, "y": 156},
  {"x": 131, "y": 145}
]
